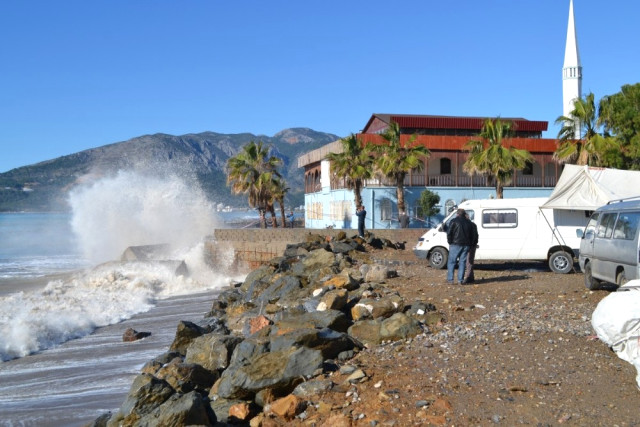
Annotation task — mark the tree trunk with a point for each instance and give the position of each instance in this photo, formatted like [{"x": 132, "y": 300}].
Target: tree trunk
[
  {"x": 284, "y": 219},
  {"x": 263, "y": 220},
  {"x": 357, "y": 192},
  {"x": 274, "y": 220},
  {"x": 400, "y": 193},
  {"x": 499, "y": 189}
]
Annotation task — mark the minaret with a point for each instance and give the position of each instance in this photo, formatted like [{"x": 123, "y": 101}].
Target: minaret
[{"x": 571, "y": 70}]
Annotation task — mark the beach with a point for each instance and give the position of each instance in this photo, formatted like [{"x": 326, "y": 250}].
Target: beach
[{"x": 75, "y": 382}]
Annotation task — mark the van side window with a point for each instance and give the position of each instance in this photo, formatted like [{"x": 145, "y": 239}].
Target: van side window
[
  {"x": 626, "y": 226},
  {"x": 605, "y": 228},
  {"x": 499, "y": 218}
]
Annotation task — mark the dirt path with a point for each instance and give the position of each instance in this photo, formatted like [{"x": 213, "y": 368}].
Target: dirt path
[{"x": 516, "y": 348}]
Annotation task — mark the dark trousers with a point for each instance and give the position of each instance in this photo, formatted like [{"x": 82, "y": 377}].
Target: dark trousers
[{"x": 468, "y": 272}]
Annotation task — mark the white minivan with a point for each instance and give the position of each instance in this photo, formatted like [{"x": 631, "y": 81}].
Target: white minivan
[
  {"x": 512, "y": 230},
  {"x": 609, "y": 250}
]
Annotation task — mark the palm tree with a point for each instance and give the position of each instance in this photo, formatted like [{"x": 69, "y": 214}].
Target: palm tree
[
  {"x": 590, "y": 148},
  {"x": 489, "y": 155},
  {"x": 253, "y": 172},
  {"x": 396, "y": 159},
  {"x": 354, "y": 164},
  {"x": 279, "y": 192}
]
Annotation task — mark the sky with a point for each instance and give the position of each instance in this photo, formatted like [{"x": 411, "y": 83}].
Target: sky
[{"x": 79, "y": 74}]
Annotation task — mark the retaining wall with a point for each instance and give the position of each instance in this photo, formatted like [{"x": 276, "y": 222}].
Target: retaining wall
[{"x": 246, "y": 249}]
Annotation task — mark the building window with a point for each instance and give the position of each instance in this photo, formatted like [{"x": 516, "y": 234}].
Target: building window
[
  {"x": 449, "y": 206},
  {"x": 528, "y": 169},
  {"x": 445, "y": 166},
  {"x": 385, "y": 210}
]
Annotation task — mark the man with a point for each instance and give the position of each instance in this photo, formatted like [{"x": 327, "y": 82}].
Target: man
[
  {"x": 468, "y": 272},
  {"x": 403, "y": 218},
  {"x": 361, "y": 214},
  {"x": 459, "y": 237},
  {"x": 290, "y": 218}
]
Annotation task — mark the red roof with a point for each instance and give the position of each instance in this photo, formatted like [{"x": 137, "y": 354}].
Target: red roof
[{"x": 453, "y": 122}]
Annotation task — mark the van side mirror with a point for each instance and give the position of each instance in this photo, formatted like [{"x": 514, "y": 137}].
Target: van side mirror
[{"x": 579, "y": 233}]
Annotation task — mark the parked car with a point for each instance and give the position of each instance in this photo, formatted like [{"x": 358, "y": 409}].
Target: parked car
[
  {"x": 609, "y": 250},
  {"x": 510, "y": 230}
]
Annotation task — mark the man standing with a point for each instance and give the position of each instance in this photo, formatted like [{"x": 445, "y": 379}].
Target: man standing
[
  {"x": 459, "y": 237},
  {"x": 403, "y": 218},
  {"x": 362, "y": 214},
  {"x": 468, "y": 273}
]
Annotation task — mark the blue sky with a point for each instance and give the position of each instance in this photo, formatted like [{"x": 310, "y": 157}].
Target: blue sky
[{"x": 81, "y": 74}]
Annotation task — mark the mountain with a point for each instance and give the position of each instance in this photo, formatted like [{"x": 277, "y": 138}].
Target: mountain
[{"x": 44, "y": 186}]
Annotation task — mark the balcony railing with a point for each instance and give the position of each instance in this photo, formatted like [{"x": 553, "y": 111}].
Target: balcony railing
[{"x": 456, "y": 181}]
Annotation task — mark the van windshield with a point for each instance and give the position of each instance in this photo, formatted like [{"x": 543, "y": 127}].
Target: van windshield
[{"x": 447, "y": 221}]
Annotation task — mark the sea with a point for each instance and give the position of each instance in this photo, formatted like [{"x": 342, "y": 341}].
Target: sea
[{"x": 66, "y": 299}]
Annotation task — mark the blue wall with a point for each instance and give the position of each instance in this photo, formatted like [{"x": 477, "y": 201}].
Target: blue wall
[{"x": 372, "y": 198}]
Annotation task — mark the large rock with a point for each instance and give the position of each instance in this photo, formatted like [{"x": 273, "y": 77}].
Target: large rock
[
  {"x": 332, "y": 319},
  {"x": 367, "y": 331},
  {"x": 379, "y": 273},
  {"x": 220, "y": 407},
  {"x": 328, "y": 341},
  {"x": 248, "y": 350},
  {"x": 212, "y": 351},
  {"x": 279, "y": 289},
  {"x": 259, "y": 274},
  {"x": 180, "y": 410},
  {"x": 280, "y": 370},
  {"x": 316, "y": 260},
  {"x": 185, "y": 377},
  {"x": 146, "y": 394},
  {"x": 399, "y": 326},
  {"x": 188, "y": 331}
]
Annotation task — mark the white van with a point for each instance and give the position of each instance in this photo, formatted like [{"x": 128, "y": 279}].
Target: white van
[
  {"x": 609, "y": 250},
  {"x": 512, "y": 230}
]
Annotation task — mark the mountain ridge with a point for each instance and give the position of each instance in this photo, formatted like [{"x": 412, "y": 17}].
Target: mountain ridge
[{"x": 43, "y": 186}]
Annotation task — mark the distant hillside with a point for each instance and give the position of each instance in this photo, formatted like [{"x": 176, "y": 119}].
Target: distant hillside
[{"x": 44, "y": 186}]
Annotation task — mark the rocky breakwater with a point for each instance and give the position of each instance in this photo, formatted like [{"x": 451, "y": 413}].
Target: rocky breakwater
[{"x": 271, "y": 345}]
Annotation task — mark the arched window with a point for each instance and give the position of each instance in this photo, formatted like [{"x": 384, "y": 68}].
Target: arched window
[
  {"x": 445, "y": 166},
  {"x": 449, "y": 206},
  {"x": 385, "y": 210}
]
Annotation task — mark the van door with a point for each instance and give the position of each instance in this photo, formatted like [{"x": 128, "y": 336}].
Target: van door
[
  {"x": 499, "y": 235},
  {"x": 604, "y": 264},
  {"x": 625, "y": 243},
  {"x": 586, "y": 245}
]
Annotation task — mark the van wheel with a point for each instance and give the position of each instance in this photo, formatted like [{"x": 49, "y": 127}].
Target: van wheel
[
  {"x": 561, "y": 262},
  {"x": 438, "y": 258},
  {"x": 621, "y": 278},
  {"x": 591, "y": 283}
]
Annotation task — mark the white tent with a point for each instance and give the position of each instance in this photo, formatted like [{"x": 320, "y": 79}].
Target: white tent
[{"x": 587, "y": 188}]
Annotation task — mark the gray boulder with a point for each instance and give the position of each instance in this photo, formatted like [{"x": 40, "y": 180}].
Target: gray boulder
[
  {"x": 212, "y": 351},
  {"x": 329, "y": 342},
  {"x": 189, "y": 409},
  {"x": 279, "y": 370}
]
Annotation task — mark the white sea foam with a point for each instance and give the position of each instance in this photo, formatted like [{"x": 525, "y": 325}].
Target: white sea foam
[
  {"x": 135, "y": 208},
  {"x": 109, "y": 215}
]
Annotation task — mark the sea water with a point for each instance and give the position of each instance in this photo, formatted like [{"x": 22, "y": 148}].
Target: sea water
[{"x": 65, "y": 300}]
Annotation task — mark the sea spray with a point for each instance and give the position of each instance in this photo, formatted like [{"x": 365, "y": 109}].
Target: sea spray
[
  {"x": 109, "y": 215},
  {"x": 133, "y": 209}
]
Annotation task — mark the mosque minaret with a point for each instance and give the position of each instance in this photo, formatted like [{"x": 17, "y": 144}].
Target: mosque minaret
[{"x": 571, "y": 70}]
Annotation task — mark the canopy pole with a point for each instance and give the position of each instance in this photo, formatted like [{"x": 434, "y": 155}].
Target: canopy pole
[{"x": 559, "y": 239}]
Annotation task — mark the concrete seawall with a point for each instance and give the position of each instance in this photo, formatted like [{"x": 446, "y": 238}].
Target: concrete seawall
[{"x": 250, "y": 248}]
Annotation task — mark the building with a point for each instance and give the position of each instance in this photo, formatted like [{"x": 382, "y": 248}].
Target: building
[{"x": 329, "y": 204}]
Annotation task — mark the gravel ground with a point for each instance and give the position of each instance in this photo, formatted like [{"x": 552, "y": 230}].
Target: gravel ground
[{"x": 516, "y": 348}]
